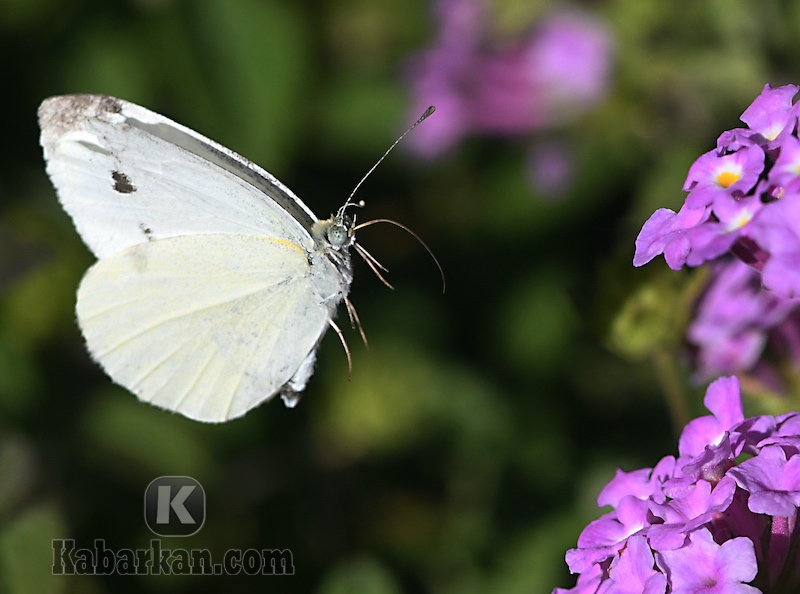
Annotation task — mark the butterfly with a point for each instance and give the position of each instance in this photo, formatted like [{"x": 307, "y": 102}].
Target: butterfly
[{"x": 214, "y": 283}]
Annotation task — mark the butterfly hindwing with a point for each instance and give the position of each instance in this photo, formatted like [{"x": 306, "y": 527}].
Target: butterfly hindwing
[{"x": 206, "y": 325}]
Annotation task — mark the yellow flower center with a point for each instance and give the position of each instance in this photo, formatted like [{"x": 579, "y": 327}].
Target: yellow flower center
[
  {"x": 739, "y": 221},
  {"x": 727, "y": 178}
]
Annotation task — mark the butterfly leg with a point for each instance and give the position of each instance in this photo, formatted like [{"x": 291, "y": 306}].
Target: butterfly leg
[
  {"x": 346, "y": 349},
  {"x": 355, "y": 322}
]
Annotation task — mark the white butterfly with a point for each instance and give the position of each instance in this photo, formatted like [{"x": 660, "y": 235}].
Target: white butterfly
[{"x": 214, "y": 283}]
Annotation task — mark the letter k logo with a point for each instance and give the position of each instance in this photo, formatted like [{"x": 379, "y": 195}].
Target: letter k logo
[{"x": 174, "y": 506}]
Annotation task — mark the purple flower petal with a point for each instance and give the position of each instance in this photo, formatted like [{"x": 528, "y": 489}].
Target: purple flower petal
[
  {"x": 724, "y": 400},
  {"x": 505, "y": 100},
  {"x": 570, "y": 59},
  {"x": 751, "y": 433},
  {"x": 437, "y": 77},
  {"x": 602, "y": 538},
  {"x": 460, "y": 21},
  {"x": 643, "y": 484},
  {"x": 732, "y": 140},
  {"x": 480, "y": 86},
  {"x": 733, "y": 172},
  {"x": 665, "y": 232},
  {"x": 772, "y": 481},
  {"x": 770, "y": 113},
  {"x": 781, "y": 274},
  {"x": 632, "y": 571},
  {"x": 787, "y": 166},
  {"x": 707, "y": 242},
  {"x": 704, "y": 566},
  {"x": 588, "y": 582},
  {"x": 695, "y": 506},
  {"x": 713, "y": 463},
  {"x": 733, "y": 319}
]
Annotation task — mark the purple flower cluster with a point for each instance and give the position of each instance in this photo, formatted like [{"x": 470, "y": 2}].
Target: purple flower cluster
[
  {"x": 743, "y": 199},
  {"x": 509, "y": 87},
  {"x": 742, "y": 213},
  {"x": 722, "y": 517},
  {"x": 734, "y": 321}
]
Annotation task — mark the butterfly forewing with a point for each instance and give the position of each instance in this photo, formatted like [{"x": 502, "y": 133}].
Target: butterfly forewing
[{"x": 127, "y": 175}]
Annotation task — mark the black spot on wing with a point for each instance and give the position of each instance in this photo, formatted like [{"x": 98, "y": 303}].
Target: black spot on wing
[
  {"x": 122, "y": 183},
  {"x": 148, "y": 232}
]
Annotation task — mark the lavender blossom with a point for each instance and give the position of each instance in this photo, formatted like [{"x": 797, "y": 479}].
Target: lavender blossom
[
  {"x": 742, "y": 216},
  {"x": 704, "y": 521},
  {"x": 482, "y": 85},
  {"x": 744, "y": 200},
  {"x": 735, "y": 319}
]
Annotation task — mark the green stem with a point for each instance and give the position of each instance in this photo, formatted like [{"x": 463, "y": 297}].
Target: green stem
[{"x": 673, "y": 387}]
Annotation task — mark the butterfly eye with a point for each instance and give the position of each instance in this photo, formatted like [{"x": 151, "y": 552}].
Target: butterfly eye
[{"x": 337, "y": 235}]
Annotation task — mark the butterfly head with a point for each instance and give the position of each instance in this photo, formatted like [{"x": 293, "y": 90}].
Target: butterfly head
[
  {"x": 341, "y": 233},
  {"x": 337, "y": 232}
]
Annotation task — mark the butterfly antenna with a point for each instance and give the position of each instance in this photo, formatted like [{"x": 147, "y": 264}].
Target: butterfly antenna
[{"x": 349, "y": 201}]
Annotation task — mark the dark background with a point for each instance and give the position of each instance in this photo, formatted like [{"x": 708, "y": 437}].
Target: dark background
[{"x": 466, "y": 453}]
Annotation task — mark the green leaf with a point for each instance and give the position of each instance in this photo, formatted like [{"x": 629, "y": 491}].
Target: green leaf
[
  {"x": 359, "y": 576},
  {"x": 26, "y": 552}
]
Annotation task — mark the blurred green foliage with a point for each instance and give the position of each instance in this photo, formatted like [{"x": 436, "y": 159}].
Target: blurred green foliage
[{"x": 465, "y": 454}]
